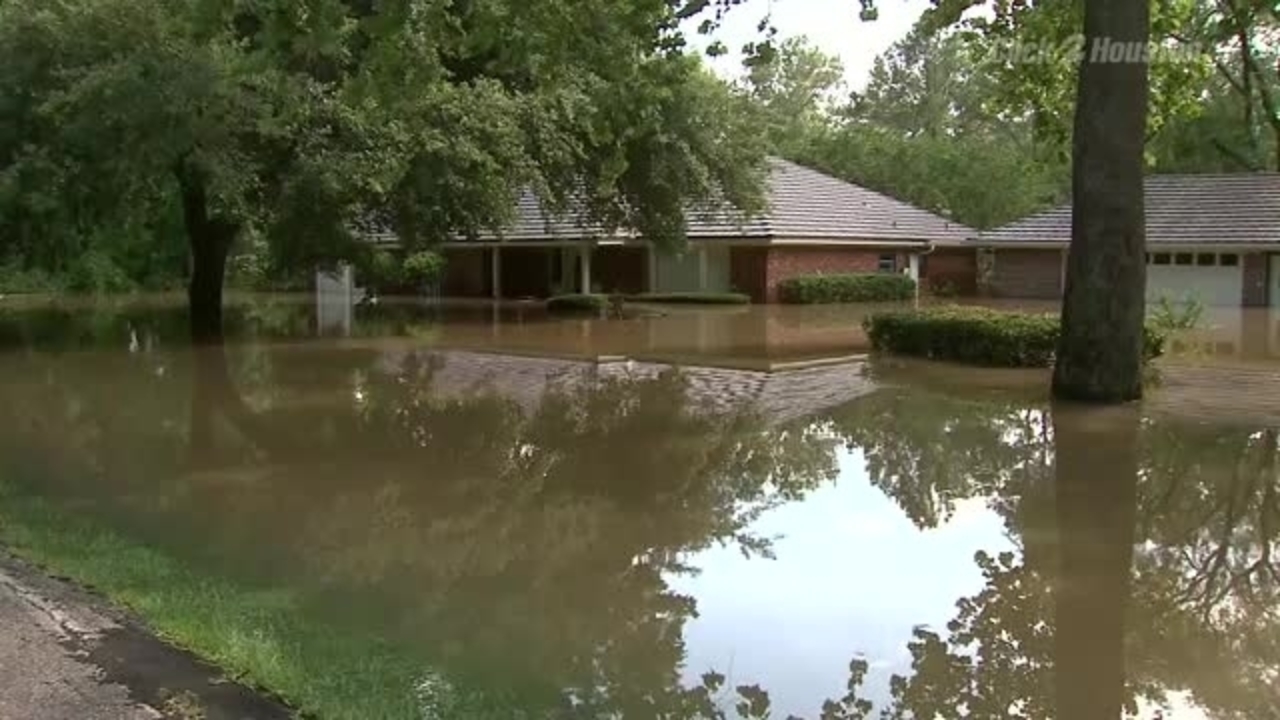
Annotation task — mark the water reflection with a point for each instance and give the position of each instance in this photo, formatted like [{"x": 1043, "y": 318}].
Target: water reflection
[{"x": 527, "y": 531}]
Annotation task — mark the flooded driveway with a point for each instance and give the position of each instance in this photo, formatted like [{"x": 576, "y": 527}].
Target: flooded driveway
[{"x": 413, "y": 512}]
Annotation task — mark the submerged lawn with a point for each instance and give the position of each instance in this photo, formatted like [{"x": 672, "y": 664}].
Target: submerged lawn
[{"x": 258, "y": 636}]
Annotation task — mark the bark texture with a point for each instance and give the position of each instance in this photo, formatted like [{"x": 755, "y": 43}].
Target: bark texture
[
  {"x": 210, "y": 238},
  {"x": 1100, "y": 352},
  {"x": 1096, "y": 471}
]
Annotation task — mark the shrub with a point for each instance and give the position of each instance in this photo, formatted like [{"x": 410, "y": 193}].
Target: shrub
[
  {"x": 978, "y": 336},
  {"x": 1171, "y": 316},
  {"x": 17, "y": 280},
  {"x": 856, "y": 287},
  {"x": 423, "y": 268},
  {"x": 578, "y": 304},
  {"x": 692, "y": 298},
  {"x": 95, "y": 272}
]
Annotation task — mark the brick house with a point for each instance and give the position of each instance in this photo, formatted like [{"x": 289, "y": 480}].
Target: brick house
[
  {"x": 814, "y": 224},
  {"x": 1215, "y": 237}
]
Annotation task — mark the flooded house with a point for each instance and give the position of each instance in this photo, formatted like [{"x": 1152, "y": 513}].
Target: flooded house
[
  {"x": 1214, "y": 237},
  {"x": 814, "y": 223}
]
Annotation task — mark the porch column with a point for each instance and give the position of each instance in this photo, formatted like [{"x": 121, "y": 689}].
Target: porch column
[
  {"x": 584, "y": 267},
  {"x": 495, "y": 272},
  {"x": 913, "y": 271},
  {"x": 702, "y": 268}
]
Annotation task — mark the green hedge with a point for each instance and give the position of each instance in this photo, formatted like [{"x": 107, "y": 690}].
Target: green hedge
[
  {"x": 691, "y": 298},
  {"x": 978, "y": 336},
  {"x": 578, "y": 304},
  {"x": 856, "y": 287}
]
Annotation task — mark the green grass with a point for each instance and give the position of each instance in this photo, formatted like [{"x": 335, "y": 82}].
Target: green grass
[{"x": 260, "y": 636}]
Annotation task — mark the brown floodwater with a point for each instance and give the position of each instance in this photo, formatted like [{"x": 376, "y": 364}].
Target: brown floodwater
[{"x": 584, "y": 518}]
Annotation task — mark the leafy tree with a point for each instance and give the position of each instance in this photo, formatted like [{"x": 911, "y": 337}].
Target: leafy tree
[
  {"x": 793, "y": 90},
  {"x": 299, "y": 121}
]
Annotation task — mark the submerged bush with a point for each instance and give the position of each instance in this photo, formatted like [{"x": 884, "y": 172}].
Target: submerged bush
[
  {"x": 854, "y": 287},
  {"x": 17, "y": 280},
  {"x": 578, "y": 304},
  {"x": 95, "y": 272},
  {"x": 978, "y": 336},
  {"x": 423, "y": 268},
  {"x": 692, "y": 298}
]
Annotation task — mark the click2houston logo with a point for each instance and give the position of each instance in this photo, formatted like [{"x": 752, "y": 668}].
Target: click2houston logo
[{"x": 1077, "y": 48}]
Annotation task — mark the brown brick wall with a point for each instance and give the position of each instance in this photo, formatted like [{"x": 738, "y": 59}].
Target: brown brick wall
[
  {"x": 1254, "y": 289},
  {"x": 1031, "y": 274},
  {"x": 951, "y": 268},
  {"x": 748, "y": 271},
  {"x": 620, "y": 269},
  {"x": 789, "y": 262}
]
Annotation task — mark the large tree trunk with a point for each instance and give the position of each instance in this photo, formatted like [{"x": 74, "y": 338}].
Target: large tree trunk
[
  {"x": 1100, "y": 352},
  {"x": 1096, "y": 471},
  {"x": 210, "y": 239}
]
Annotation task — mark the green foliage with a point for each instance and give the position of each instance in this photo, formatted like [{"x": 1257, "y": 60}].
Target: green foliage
[
  {"x": 850, "y": 288},
  {"x": 578, "y": 304},
  {"x": 1168, "y": 315},
  {"x": 96, "y": 273},
  {"x": 978, "y": 336},
  {"x": 423, "y": 268},
  {"x": 18, "y": 280},
  {"x": 691, "y": 298},
  {"x": 300, "y": 124}
]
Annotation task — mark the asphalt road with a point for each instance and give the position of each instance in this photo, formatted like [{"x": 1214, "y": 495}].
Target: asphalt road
[{"x": 65, "y": 654}]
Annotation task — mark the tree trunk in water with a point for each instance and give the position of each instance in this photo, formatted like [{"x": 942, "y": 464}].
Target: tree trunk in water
[
  {"x": 1096, "y": 471},
  {"x": 1100, "y": 351},
  {"x": 210, "y": 239}
]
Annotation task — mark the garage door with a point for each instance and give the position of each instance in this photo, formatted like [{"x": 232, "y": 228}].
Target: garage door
[{"x": 1215, "y": 279}]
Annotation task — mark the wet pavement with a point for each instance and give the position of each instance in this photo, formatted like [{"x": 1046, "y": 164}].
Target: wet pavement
[
  {"x": 67, "y": 655},
  {"x": 670, "y": 516}
]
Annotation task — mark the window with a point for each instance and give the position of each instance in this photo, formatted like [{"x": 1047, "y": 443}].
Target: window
[
  {"x": 888, "y": 263},
  {"x": 1183, "y": 259},
  {"x": 1206, "y": 259},
  {"x": 1229, "y": 260},
  {"x": 1160, "y": 259},
  {"x": 1148, "y": 258}
]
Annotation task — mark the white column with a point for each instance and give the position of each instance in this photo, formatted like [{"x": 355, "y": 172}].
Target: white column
[
  {"x": 702, "y": 268},
  {"x": 495, "y": 272},
  {"x": 584, "y": 267},
  {"x": 913, "y": 271}
]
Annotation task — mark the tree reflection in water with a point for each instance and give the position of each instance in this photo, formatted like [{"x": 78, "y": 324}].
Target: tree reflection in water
[
  {"x": 1149, "y": 570},
  {"x": 524, "y": 547}
]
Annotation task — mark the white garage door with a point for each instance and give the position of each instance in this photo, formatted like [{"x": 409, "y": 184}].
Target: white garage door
[{"x": 1215, "y": 279}]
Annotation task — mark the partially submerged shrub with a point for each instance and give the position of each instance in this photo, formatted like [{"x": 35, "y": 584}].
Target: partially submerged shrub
[
  {"x": 1170, "y": 316},
  {"x": 95, "y": 272},
  {"x": 978, "y": 336},
  {"x": 423, "y": 268},
  {"x": 854, "y": 287},
  {"x": 580, "y": 304},
  {"x": 692, "y": 298}
]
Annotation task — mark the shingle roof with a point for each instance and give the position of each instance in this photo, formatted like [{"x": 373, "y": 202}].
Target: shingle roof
[
  {"x": 1225, "y": 209},
  {"x": 803, "y": 204},
  {"x": 779, "y": 396}
]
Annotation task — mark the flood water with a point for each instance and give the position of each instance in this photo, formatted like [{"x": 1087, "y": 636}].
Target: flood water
[{"x": 717, "y": 511}]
